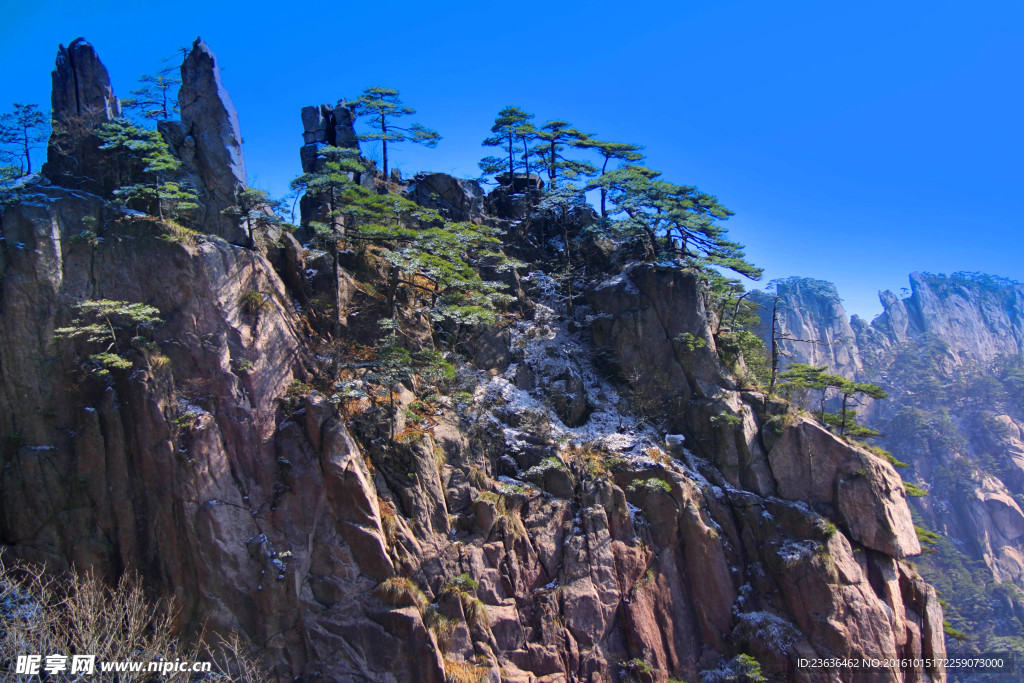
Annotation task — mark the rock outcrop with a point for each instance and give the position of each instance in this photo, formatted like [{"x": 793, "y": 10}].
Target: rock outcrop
[
  {"x": 457, "y": 199},
  {"x": 82, "y": 99},
  {"x": 944, "y": 352},
  {"x": 208, "y": 141},
  {"x": 325, "y": 125},
  {"x": 533, "y": 526}
]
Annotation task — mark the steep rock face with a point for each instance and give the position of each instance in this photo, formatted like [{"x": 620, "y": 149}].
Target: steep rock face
[
  {"x": 812, "y": 319},
  {"x": 270, "y": 515},
  {"x": 940, "y": 352},
  {"x": 183, "y": 467},
  {"x": 82, "y": 99},
  {"x": 208, "y": 140},
  {"x": 977, "y": 316}
]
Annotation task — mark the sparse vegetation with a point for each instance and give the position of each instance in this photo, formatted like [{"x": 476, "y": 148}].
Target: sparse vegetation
[
  {"x": 740, "y": 669},
  {"x": 401, "y": 592},
  {"x": 913, "y": 490},
  {"x": 78, "y": 613},
  {"x": 650, "y": 485},
  {"x": 252, "y": 302},
  {"x": 456, "y": 671}
]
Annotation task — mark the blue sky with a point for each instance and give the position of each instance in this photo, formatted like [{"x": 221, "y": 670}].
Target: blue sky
[{"x": 856, "y": 142}]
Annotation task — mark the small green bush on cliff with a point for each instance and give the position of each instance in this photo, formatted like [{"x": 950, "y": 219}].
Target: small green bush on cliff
[{"x": 117, "y": 326}]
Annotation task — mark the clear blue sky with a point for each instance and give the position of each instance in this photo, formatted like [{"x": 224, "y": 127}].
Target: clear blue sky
[{"x": 856, "y": 142}]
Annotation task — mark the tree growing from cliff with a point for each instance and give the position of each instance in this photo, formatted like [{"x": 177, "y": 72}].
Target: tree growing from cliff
[
  {"x": 113, "y": 326},
  {"x": 620, "y": 151},
  {"x": 254, "y": 209},
  {"x": 146, "y": 150},
  {"x": 554, "y": 137},
  {"x": 435, "y": 259},
  {"x": 23, "y": 130},
  {"x": 802, "y": 377},
  {"x": 671, "y": 221},
  {"x": 512, "y": 130},
  {"x": 383, "y": 106},
  {"x": 155, "y": 99},
  {"x": 327, "y": 184},
  {"x": 735, "y": 330}
]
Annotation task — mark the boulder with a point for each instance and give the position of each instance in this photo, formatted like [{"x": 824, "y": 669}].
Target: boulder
[{"x": 458, "y": 199}]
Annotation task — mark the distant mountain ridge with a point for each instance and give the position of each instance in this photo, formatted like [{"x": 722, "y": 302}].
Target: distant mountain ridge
[{"x": 951, "y": 356}]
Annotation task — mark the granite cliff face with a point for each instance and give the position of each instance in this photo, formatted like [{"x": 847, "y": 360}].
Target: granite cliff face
[
  {"x": 534, "y": 526},
  {"x": 949, "y": 354},
  {"x": 208, "y": 141}
]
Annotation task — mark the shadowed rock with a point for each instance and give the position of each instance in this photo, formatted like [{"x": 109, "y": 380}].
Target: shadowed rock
[{"x": 82, "y": 99}]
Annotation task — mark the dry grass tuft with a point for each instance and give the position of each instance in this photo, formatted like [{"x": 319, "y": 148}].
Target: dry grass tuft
[
  {"x": 401, "y": 592},
  {"x": 463, "y": 672}
]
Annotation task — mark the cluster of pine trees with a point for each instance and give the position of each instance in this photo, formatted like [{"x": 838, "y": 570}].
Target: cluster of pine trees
[{"x": 433, "y": 264}]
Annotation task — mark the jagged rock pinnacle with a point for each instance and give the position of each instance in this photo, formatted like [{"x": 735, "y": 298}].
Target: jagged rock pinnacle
[{"x": 208, "y": 116}]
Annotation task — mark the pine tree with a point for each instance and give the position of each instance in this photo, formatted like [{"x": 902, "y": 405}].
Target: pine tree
[
  {"x": 116, "y": 326},
  {"x": 672, "y": 221},
  {"x": 620, "y": 151},
  {"x": 147, "y": 150},
  {"x": 335, "y": 169},
  {"x": 512, "y": 130},
  {"x": 554, "y": 137},
  {"x": 157, "y": 98},
  {"x": 437, "y": 260},
  {"x": 383, "y": 107},
  {"x": 23, "y": 129},
  {"x": 801, "y": 377},
  {"x": 255, "y": 209},
  {"x": 736, "y": 323}
]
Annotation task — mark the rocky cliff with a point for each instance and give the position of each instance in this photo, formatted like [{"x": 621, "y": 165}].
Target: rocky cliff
[
  {"x": 949, "y": 354},
  {"x": 532, "y": 520}
]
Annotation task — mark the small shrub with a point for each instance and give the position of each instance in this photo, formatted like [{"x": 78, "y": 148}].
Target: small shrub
[
  {"x": 881, "y": 453},
  {"x": 650, "y": 485},
  {"x": 725, "y": 419},
  {"x": 926, "y": 536},
  {"x": 690, "y": 342},
  {"x": 298, "y": 389},
  {"x": 253, "y": 302},
  {"x": 741, "y": 668},
  {"x": 86, "y": 238},
  {"x": 462, "y": 582},
  {"x": 476, "y": 612},
  {"x": 478, "y": 478},
  {"x": 825, "y": 527},
  {"x": 948, "y": 629},
  {"x": 441, "y": 626}
]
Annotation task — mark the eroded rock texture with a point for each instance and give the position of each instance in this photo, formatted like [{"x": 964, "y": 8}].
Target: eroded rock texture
[
  {"x": 946, "y": 352},
  {"x": 82, "y": 99},
  {"x": 535, "y": 527},
  {"x": 208, "y": 140}
]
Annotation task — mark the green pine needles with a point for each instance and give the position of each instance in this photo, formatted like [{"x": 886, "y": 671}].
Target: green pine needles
[
  {"x": 115, "y": 327},
  {"x": 146, "y": 149}
]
